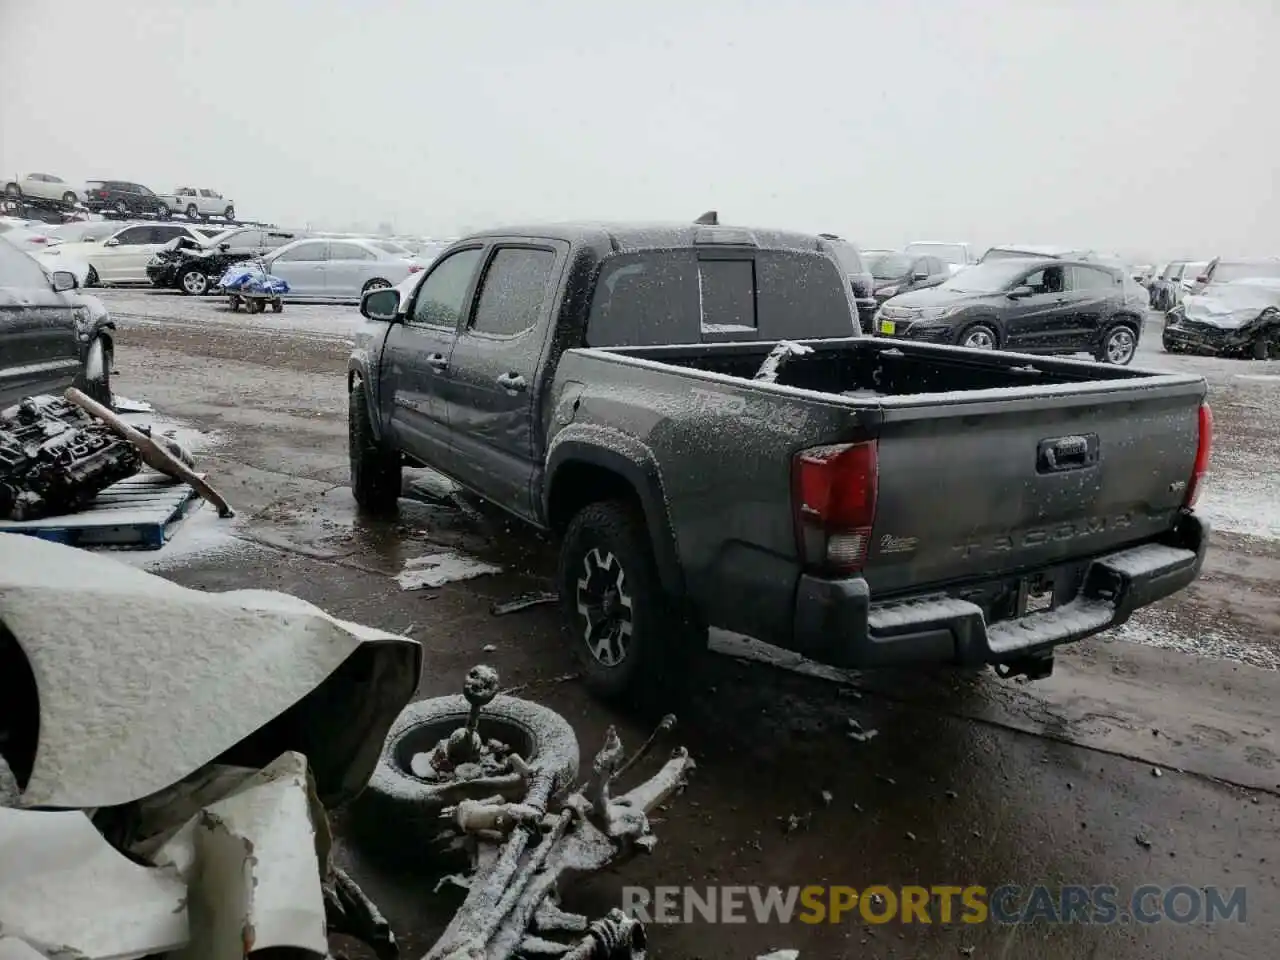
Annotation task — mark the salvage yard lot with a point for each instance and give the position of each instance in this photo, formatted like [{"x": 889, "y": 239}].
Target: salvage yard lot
[{"x": 969, "y": 781}]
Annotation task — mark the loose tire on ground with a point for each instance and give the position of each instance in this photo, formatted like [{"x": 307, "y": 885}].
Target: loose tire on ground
[
  {"x": 397, "y": 812},
  {"x": 630, "y": 637},
  {"x": 375, "y": 470}
]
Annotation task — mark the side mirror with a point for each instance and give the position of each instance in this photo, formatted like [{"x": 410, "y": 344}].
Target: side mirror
[
  {"x": 1021, "y": 293},
  {"x": 919, "y": 275},
  {"x": 63, "y": 280},
  {"x": 381, "y": 304},
  {"x": 224, "y": 247},
  {"x": 1203, "y": 278},
  {"x": 113, "y": 242}
]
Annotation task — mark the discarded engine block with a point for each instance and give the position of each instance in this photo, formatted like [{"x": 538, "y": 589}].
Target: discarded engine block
[{"x": 55, "y": 458}]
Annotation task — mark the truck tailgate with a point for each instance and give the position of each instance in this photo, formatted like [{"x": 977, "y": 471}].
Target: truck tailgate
[{"x": 985, "y": 483}]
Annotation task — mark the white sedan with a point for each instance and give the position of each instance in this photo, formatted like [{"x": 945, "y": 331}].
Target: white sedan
[
  {"x": 332, "y": 269},
  {"x": 43, "y": 186},
  {"x": 122, "y": 256}
]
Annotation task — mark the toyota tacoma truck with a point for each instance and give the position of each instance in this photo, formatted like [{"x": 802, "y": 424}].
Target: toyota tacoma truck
[{"x": 639, "y": 392}]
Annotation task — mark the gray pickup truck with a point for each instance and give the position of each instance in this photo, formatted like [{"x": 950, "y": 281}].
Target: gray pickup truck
[{"x": 866, "y": 502}]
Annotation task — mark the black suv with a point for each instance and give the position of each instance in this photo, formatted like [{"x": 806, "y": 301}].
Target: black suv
[
  {"x": 895, "y": 273},
  {"x": 123, "y": 197},
  {"x": 1027, "y": 305}
]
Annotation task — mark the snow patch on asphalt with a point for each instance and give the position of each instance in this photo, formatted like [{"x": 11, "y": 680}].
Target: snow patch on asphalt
[
  {"x": 1240, "y": 496},
  {"x": 1161, "y": 628},
  {"x": 437, "y": 569}
]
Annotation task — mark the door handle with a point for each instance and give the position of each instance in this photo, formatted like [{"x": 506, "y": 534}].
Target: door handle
[
  {"x": 512, "y": 381},
  {"x": 438, "y": 362}
]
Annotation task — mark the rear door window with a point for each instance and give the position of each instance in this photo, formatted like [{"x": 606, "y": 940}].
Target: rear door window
[
  {"x": 515, "y": 291},
  {"x": 1089, "y": 278},
  {"x": 349, "y": 251}
]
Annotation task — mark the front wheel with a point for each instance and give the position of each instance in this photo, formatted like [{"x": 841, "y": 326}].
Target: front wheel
[
  {"x": 70, "y": 199},
  {"x": 195, "y": 283},
  {"x": 979, "y": 336},
  {"x": 192, "y": 212},
  {"x": 627, "y": 633},
  {"x": 375, "y": 469},
  {"x": 122, "y": 208},
  {"x": 163, "y": 211}
]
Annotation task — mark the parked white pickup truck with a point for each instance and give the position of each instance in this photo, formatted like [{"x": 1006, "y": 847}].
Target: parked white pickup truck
[{"x": 200, "y": 202}]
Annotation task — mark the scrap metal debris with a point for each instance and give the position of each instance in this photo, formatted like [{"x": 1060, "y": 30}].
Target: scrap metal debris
[
  {"x": 523, "y": 602},
  {"x": 856, "y": 732},
  {"x": 55, "y": 458}
]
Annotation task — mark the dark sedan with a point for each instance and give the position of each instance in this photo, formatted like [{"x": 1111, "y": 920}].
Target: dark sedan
[
  {"x": 1236, "y": 318},
  {"x": 1045, "y": 306},
  {"x": 895, "y": 273}
]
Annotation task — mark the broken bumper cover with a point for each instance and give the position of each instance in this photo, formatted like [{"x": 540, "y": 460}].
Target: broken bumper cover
[
  {"x": 164, "y": 273},
  {"x": 836, "y": 621},
  {"x": 1206, "y": 338}
]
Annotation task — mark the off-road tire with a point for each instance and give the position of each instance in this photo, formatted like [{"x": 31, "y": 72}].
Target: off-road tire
[
  {"x": 375, "y": 470},
  {"x": 663, "y": 642},
  {"x": 398, "y": 814}
]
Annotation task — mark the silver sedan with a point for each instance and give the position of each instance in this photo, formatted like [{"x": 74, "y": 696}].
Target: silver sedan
[{"x": 332, "y": 269}]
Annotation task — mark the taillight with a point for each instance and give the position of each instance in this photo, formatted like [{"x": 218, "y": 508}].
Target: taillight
[
  {"x": 1204, "y": 450},
  {"x": 834, "y": 492}
]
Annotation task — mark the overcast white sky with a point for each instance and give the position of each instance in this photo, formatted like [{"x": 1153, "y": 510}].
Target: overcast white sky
[{"x": 1148, "y": 127}]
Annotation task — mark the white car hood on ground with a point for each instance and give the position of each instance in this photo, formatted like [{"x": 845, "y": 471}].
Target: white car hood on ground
[{"x": 141, "y": 681}]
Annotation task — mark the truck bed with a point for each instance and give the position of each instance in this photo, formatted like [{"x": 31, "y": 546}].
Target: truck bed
[{"x": 969, "y": 493}]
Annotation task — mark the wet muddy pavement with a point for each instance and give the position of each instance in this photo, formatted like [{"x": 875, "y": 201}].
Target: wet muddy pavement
[{"x": 969, "y": 781}]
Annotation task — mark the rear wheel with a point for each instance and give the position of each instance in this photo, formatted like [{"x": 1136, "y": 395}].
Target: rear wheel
[
  {"x": 979, "y": 336},
  {"x": 122, "y": 208},
  {"x": 1119, "y": 344},
  {"x": 377, "y": 283},
  {"x": 192, "y": 212},
  {"x": 162, "y": 211},
  {"x": 375, "y": 469},
  {"x": 70, "y": 199},
  {"x": 91, "y": 278},
  {"x": 626, "y": 631},
  {"x": 229, "y": 213}
]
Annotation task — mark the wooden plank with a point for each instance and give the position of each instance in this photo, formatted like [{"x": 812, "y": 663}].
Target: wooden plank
[{"x": 138, "y": 511}]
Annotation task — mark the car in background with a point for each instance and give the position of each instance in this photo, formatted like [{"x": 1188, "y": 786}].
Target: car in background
[
  {"x": 84, "y": 231},
  {"x": 861, "y": 282},
  {"x": 425, "y": 250},
  {"x": 1229, "y": 318},
  {"x": 1032, "y": 251},
  {"x": 199, "y": 203},
  {"x": 319, "y": 268},
  {"x": 1162, "y": 285},
  {"x": 50, "y": 337},
  {"x": 43, "y": 186},
  {"x": 122, "y": 256},
  {"x": 957, "y": 256},
  {"x": 895, "y": 273},
  {"x": 195, "y": 267},
  {"x": 1042, "y": 305},
  {"x": 124, "y": 197},
  {"x": 1225, "y": 270},
  {"x": 1186, "y": 283}
]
